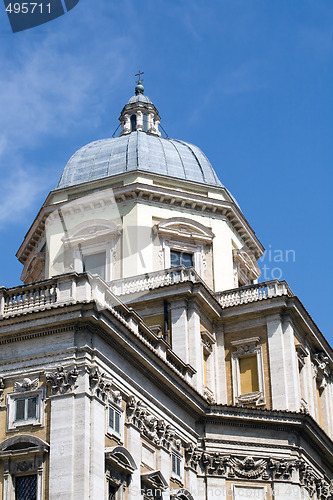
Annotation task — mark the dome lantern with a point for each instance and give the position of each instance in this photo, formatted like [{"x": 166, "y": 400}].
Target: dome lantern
[{"x": 139, "y": 114}]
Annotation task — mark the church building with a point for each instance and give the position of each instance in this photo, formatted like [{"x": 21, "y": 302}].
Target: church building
[{"x": 142, "y": 358}]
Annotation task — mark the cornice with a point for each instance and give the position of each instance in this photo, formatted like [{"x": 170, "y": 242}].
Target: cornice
[{"x": 138, "y": 192}]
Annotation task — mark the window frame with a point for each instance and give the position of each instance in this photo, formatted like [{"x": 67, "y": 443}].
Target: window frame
[
  {"x": 38, "y": 420},
  {"x": 23, "y": 462},
  {"x": 119, "y": 411},
  {"x": 178, "y": 459},
  {"x": 247, "y": 347},
  {"x": 184, "y": 235}
]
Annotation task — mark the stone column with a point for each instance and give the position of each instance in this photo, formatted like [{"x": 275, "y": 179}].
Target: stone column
[
  {"x": 179, "y": 329},
  {"x": 277, "y": 363}
]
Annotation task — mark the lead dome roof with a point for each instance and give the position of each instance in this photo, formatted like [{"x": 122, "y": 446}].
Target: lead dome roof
[{"x": 139, "y": 151}]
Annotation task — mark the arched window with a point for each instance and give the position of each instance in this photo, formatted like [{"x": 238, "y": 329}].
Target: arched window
[
  {"x": 133, "y": 123},
  {"x": 23, "y": 459}
]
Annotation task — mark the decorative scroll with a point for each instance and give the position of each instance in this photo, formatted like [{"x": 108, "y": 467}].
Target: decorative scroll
[
  {"x": 62, "y": 380},
  {"x": 157, "y": 430}
]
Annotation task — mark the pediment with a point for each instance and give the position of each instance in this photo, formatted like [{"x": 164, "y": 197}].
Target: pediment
[
  {"x": 183, "y": 228},
  {"x": 121, "y": 459},
  {"x": 90, "y": 230},
  {"x": 154, "y": 480}
]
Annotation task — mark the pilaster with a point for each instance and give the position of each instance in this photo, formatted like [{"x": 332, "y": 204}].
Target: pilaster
[
  {"x": 194, "y": 343},
  {"x": 133, "y": 445},
  {"x": 277, "y": 363},
  {"x": 179, "y": 329},
  {"x": 62, "y": 447},
  {"x": 291, "y": 374},
  {"x": 221, "y": 379}
]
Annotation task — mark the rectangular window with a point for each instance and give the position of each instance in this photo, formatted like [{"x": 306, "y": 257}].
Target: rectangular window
[
  {"x": 145, "y": 122},
  {"x": 95, "y": 263},
  {"x": 176, "y": 465},
  {"x": 181, "y": 259},
  {"x": 248, "y": 374},
  {"x": 26, "y": 408},
  {"x": 114, "y": 419},
  {"x": 26, "y": 487},
  {"x": 112, "y": 492}
]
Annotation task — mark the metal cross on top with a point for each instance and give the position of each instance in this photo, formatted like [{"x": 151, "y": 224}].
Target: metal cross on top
[{"x": 139, "y": 75}]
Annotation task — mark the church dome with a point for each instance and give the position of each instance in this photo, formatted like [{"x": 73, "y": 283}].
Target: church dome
[
  {"x": 139, "y": 147},
  {"x": 138, "y": 151}
]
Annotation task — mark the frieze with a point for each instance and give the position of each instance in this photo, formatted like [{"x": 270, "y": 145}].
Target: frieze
[
  {"x": 252, "y": 468},
  {"x": 62, "y": 381},
  {"x": 156, "y": 430}
]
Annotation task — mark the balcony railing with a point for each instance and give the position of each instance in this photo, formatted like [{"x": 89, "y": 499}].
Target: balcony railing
[
  {"x": 77, "y": 288},
  {"x": 156, "y": 279},
  {"x": 253, "y": 293}
]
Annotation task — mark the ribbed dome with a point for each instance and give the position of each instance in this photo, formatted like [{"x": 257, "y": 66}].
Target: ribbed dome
[
  {"x": 139, "y": 98},
  {"x": 142, "y": 152}
]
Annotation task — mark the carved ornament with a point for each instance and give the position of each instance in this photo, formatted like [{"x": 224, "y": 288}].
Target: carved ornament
[
  {"x": 26, "y": 385},
  {"x": 157, "y": 430},
  {"x": 62, "y": 381}
]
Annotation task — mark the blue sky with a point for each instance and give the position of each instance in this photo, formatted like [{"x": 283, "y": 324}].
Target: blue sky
[{"x": 248, "y": 81}]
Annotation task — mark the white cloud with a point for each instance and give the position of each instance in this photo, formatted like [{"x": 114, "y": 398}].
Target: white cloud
[
  {"x": 17, "y": 192},
  {"x": 48, "y": 85}
]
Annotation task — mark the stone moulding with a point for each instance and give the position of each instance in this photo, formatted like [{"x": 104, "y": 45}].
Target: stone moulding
[{"x": 156, "y": 430}]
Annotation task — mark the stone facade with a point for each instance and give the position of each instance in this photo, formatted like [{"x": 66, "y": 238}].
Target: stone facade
[{"x": 141, "y": 359}]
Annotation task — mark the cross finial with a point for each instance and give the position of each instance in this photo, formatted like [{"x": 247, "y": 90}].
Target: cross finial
[{"x": 139, "y": 75}]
